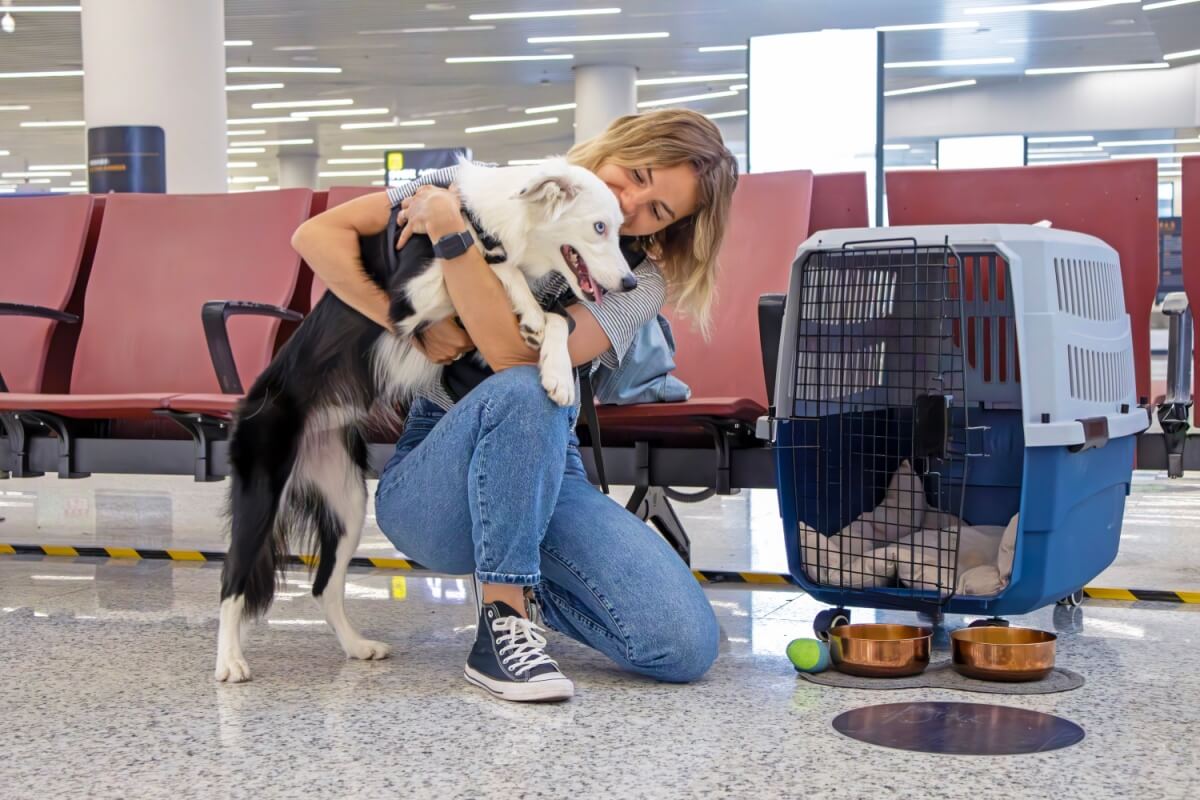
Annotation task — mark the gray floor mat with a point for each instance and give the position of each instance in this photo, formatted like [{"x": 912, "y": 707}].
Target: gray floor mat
[{"x": 941, "y": 675}]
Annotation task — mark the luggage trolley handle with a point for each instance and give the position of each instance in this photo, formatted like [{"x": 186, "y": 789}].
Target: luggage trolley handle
[{"x": 1173, "y": 413}]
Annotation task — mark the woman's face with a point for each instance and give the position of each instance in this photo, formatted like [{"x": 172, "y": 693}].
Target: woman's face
[{"x": 651, "y": 198}]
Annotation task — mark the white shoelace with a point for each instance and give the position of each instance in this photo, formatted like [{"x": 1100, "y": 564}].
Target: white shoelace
[{"x": 521, "y": 644}]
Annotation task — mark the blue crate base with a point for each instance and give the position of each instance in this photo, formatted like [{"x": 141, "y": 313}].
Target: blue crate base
[{"x": 1071, "y": 505}]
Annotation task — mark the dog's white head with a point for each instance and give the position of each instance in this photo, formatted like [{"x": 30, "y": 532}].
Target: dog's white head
[{"x": 556, "y": 217}]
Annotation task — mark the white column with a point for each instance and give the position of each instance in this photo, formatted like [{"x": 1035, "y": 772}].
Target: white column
[
  {"x": 603, "y": 92},
  {"x": 297, "y": 170},
  {"x": 149, "y": 62}
]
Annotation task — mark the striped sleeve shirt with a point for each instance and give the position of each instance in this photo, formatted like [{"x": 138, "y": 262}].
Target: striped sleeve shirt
[{"x": 620, "y": 316}]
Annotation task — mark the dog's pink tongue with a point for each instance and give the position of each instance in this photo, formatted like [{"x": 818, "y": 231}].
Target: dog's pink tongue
[{"x": 599, "y": 292}]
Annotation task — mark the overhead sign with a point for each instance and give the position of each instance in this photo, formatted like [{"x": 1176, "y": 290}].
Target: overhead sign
[
  {"x": 127, "y": 158},
  {"x": 407, "y": 165}
]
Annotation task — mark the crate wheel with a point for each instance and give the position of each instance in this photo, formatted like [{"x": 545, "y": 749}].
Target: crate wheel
[
  {"x": 1073, "y": 600},
  {"x": 829, "y": 619}
]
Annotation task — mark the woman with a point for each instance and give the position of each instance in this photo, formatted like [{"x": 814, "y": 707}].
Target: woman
[{"x": 493, "y": 484}]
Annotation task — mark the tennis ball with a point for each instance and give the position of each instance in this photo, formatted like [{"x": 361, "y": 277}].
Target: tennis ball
[{"x": 808, "y": 655}]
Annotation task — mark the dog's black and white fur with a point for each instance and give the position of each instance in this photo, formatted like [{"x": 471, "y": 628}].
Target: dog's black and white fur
[{"x": 298, "y": 451}]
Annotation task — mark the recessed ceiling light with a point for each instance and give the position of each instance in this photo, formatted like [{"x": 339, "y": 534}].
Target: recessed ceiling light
[
  {"x": 545, "y": 109},
  {"x": 416, "y": 146},
  {"x": 599, "y": 37},
  {"x": 929, "y": 87},
  {"x": 951, "y": 62},
  {"x": 252, "y": 87},
  {"x": 349, "y": 112},
  {"x": 1052, "y": 139},
  {"x": 688, "y": 98},
  {"x": 267, "y": 70},
  {"x": 1097, "y": 68},
  {"x": 723, "y": 48},
  {"x": 528, "y": 123},
  {"x": 302, "y": 103},
  {"x": 238, "y": 43},
  {"x": 491, "y": 59},
  {"x": 581, "y": 12},
  {"x": 1059, "y": 5},
  {"x": 728, "y": 76},
  {"x": 68, "y": 73},
  {"x": 65, "y": 123},
  {"x": 927, "y": 26}
]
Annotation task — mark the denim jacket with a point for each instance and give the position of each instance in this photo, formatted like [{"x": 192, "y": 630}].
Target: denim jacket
[{"x": 644, "y": 374}]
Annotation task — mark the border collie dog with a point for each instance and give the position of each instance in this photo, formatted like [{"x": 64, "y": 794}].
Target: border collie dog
[{"x": 298, "y": 450}]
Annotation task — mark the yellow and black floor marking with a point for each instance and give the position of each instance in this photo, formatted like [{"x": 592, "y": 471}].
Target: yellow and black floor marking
[{"x": 755, "y": 580}]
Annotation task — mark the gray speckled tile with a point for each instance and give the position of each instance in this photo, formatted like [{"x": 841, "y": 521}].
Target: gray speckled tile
[{"x": 107, "y": 692}]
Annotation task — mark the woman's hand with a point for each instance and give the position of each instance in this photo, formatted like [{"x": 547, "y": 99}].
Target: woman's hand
[
  {"x": 444, "y": 341},
  {"x": 432, "y": 211}
]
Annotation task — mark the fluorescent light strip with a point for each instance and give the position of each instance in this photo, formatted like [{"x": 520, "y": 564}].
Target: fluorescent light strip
[
  {"x": 897, "y": 147},
  {"x": 417, "y": 123},
  {"x": 59, "y": 174},
  {"x": 351, "y": 173},
  {"x": 266, "y": 188},
  {"x": 598, "y": 37},
  {"x": 727, "y": 114},
  {"x": 298, "y": 48},
  {"x": 1051, "y": 155},
  {"x": 1150, "y": 142},
  {"x": 241, "y": 164},
  {"x": 43, "y": 9},
  {"x": 910, "y": 168},
  {"x": 276, "y": 142},
  {"x": 56, "y": 166},
  {"x": 582, "y": 12},
  {"x": 268, "y": 70},
  {"x": 14, "y": 108},
  {"x": 238, "y": 151},
  {"x": 739, "y": 87},
  {"x": 344, "y": 101},
  {"x": 929, "y": 87},
  {"x": 252, "y": 87},
  {"x": 68, "y": 123},
  {"x": 1052, "y": 139},
  {"x": 687, "y": 98},
  {"x": 1181, "y": 54},
  {"x": 416, "y": 146},
  {"x": 238, "y": 43},
  {"x": 250, "y": 132},
  {"x": 68, "y": 190},
  {"x": 438, "y": 29},
  {"x": 1060, "y": 5},
  {"x": 261, "y": 120},
  {"x": 927, "y": 26},
  {"x": 1098, "y": 68},
  {"x": 723, "y": 48},
  {"x": 79, "y": 183},
  {"x": 38, "y": 180},
  {"x": 358, "y": 126},
  {"x": 352, "y": 161},
  {"x": 4, "y": 153},
  {"x": 1167, "y": 4},
  {"x": 1061, "y": 150},
  {"x": 728, "y": 76},
  {"x": 249, "y": 179},
  {"x": 494, "y": 59},
  {"x": 506, "y": 125},
  {"x": 1156, "y": 155},
  {"x": 349, "y": 112},
  {"x": 69, "y": 73},
  {"x": 546, "y": 109},
  {"x": 951, "y": 62}
]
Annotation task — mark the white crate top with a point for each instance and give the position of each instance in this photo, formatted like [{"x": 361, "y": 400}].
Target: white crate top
[{"x": 1073, "y": 340}]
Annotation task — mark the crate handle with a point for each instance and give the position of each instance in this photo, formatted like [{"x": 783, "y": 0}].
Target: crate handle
[
  {"x": 874, "y": 242},
  {"x": 1095, "y": 434}
]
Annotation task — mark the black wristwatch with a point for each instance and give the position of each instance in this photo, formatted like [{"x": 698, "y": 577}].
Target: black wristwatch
[{"x": 453, "y": 245}]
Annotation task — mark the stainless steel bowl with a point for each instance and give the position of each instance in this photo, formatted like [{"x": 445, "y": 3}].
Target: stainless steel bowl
[{"x": 880, "y": 651}]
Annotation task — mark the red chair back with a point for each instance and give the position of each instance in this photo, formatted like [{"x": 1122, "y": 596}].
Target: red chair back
[{"x": 839, "y": 200}]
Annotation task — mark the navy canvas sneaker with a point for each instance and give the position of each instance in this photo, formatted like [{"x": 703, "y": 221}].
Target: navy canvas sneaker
[{"x": 509, "y": 658}]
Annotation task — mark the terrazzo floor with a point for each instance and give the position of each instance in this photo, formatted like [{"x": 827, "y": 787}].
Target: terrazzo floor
[{"x": 106, "y": 685}]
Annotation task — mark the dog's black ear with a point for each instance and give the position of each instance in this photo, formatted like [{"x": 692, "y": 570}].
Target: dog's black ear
[{"x": 551, "y": 193}]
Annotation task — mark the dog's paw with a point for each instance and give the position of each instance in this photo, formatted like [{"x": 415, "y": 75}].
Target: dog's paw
[
  {"x": 533, "y": 332},
  {"x": 559, "y": 385},
  {"x": 232, "y": 670},
  {"x": 367, "y": 650}
]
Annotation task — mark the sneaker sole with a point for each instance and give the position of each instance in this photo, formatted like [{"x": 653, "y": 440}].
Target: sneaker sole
[{"x": 536, "y": 692}]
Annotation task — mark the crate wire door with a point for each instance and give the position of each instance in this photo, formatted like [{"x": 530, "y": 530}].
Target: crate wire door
[{"x": 880, "y": 382}]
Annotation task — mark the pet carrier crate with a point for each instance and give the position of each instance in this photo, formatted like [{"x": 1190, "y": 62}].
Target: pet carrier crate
[{"x": 950, "y": 399}]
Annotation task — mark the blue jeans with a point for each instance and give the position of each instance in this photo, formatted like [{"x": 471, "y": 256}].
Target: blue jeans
[{"x": 496, "y": 486}]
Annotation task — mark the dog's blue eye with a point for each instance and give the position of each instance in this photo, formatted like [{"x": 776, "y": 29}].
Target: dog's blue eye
[{"x": 600, "y": 228}]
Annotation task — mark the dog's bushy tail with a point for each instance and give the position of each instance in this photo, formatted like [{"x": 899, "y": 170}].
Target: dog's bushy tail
[{"x": 262, "y": 453}]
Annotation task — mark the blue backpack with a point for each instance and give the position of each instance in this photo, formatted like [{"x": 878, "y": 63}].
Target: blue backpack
[{"x": 644, "y": 375}]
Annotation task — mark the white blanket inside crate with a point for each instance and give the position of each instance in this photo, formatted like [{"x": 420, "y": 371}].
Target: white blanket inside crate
[{"x": 904, "y": 541}]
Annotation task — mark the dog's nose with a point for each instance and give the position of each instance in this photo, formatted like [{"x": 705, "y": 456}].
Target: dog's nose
[{"x": 629, "y": 282}]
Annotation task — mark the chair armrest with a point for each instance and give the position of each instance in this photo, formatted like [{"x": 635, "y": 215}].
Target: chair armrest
[
  {"x": 40, "y": 312},
  {"x": 770, "y": 329},
  {"x": 215, "y": 316}
]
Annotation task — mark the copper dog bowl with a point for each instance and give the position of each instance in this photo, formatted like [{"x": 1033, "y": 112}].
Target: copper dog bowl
[
  {"x": 880, "y": 651},
  {"x": 1003, "y": 654}
]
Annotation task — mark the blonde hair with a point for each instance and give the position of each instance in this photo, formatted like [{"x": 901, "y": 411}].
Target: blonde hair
[{"x": 686, "y": 250}]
